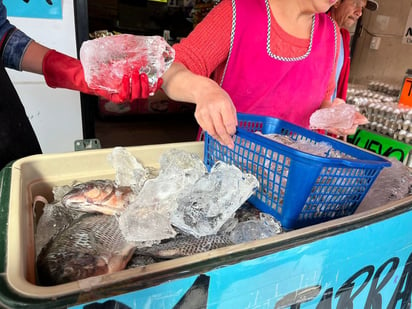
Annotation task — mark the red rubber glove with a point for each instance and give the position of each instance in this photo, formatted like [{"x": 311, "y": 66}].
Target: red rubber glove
[{"x": 62, "y": 71}]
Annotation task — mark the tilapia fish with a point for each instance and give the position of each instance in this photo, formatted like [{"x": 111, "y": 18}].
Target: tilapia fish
[
  {"x": 92, "y": 245},
  {"x": 98, "y": 196},
  {"x": 185, "y": 246},
  {"x": 55, "y": 217}
]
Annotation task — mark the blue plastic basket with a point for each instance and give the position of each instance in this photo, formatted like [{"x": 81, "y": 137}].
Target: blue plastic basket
[{"x": 296, "y": 187}]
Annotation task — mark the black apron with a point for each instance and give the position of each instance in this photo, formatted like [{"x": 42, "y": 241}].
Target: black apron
[{"x": 17, "y": 137}]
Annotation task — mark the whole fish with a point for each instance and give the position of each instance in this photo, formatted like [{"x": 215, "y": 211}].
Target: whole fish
[
  {"x": 55, "y": 217},
  {"x": 92, "y": 245},
  {"x": 139, "y": 260},
  {"x": 98, "y": 196},
  {"x": 197, "y": 295},
  {"x": 185, "y": 246}
]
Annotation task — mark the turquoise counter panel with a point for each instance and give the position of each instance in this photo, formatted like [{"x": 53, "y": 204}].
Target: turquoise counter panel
[{"x": 368, "y": 266}]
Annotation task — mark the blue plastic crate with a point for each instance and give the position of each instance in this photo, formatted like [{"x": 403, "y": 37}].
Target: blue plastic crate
[{"x": 296, "y": 187}]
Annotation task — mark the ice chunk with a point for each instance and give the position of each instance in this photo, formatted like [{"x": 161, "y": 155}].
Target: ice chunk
[
  {"x": 129, "y": 172},
  {"x": 160, "y": 194},
  {"x": 108, "y": 59},
  {"x": 143, "y": 225},
  {"x": 213, "y": 199},
  {"x": 179, "y": 163},
  {"x": 158, "y": 197},
  {"x": 178, "y": 169},
  {"x": 263, "y": 227}
]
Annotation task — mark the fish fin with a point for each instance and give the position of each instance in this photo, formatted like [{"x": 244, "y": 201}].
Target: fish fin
[
  {"x": 120, "y": 259},
  {"x": 197, "y": 295}
]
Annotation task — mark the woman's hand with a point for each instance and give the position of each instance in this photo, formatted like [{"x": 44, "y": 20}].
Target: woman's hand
[
  {"x": 338, "y": 119},
  {"x": 215, "y": 112}
]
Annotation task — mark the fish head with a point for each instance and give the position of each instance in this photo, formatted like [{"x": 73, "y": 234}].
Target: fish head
[{"x": 98, "y": 196}]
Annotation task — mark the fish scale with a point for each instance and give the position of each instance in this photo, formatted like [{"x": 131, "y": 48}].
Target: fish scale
[
  {"x": 185, "y": 246},
  {"x": 92, "y": 245}
]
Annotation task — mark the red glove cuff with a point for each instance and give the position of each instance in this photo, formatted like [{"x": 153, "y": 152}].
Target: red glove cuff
[{"x": 62, "y": 71}]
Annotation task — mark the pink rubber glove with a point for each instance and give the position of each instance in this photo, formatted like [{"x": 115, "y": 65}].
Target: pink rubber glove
[{"x": 62, "y": 71}]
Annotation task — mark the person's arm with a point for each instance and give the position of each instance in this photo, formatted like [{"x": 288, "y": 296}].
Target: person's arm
[
  {"x": 33, "y": 58},
  {"x": 15, "y": 44},
  {"x": 18, "y": 51},
  {"x": 215, "y": 111},
  {"x": 327, "y": 103},
  {"x": 208, "y": 45},
  {"x": 332, "y": 80},
  {"x": 22, "y": 53},
  {"x": 197, "y": 57}
]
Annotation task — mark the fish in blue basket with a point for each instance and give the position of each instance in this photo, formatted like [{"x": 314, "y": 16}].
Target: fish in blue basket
[
  {"x": 101, "y": 196},
  {"x": 92, "y": 245}
]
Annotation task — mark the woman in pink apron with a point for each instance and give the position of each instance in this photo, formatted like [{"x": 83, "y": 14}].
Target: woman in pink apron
[{"x": 267, "y": 57}]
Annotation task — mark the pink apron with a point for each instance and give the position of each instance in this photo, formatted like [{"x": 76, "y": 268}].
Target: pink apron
[{"x": 259, "y": 83}]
